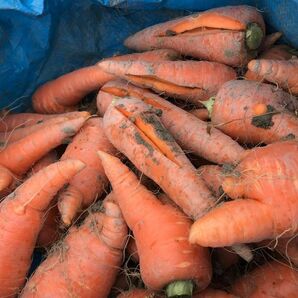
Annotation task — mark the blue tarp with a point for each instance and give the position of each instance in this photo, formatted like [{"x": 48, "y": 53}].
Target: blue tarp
[{"x": 42, "y": 39}]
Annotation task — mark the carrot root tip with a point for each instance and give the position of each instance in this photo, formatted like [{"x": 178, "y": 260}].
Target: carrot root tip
[
  {"x": 180, "y": 288},
  {"x": 254, "y": 36}
]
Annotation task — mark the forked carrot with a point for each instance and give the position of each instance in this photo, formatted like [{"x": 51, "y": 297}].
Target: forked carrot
[{"x": 21, "y": 217}]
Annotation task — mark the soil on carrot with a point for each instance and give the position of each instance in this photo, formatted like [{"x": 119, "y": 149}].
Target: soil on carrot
[
  {"x": 265, "y": 120},
  {"x": 141, "y": 141}
]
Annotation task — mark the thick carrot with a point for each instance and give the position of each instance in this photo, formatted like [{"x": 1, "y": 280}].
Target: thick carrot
[
  {"x": 270, "y": 280},
  {"x": 64, "y": 93},
  {"x": 182, "y": 184},
  {"x": 188, "y": 80},
  {"x": 266, "y": 179},
  {"x": 92, "y": 256},
  {"x": 192, "y": 134},
  {"x": 212, "y": 293},
  {"x": 21, "y": 217},
  {"x": 18, "y": 157},
  {"x": 12, "y": 121},
  {"x": 202, "y": 114},
  {"x": 280, "y": 72},
  {"x": 138, "y": 293},
  {"x": 89, "y": 184},
  {"x": 278, "y": 52},
  {"x": 166, "y": 257},
  {"x": 253, "y": 112},
  {"x": 227, "y": 34}
]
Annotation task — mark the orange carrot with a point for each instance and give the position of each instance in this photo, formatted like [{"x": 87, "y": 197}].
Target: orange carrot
[
  {"x": 89, "y": 184},
  {"x": 212, "y": 293},
  {"x": 18, "y": 157},
  {"x": 45, "y": 161},
  {"x": 138, "y": 293},
  {"x": 93, "y": 255},
  {"x": 233, "y": 111},
  {"x": 270, "y": 280},
  {"x": 280, "y": 72},
  {"x": 266, "y": 179},
  {"x": 226, "y": 34},
  {"x": 180, "y": 265},
  {"x": 21, "y": 216},
  {"x": 202, "y": 114},
  {"x": 6, "y": 178},
  {"x": 182, "y": 184},
  {"x": 188, "y": 80},
  {"x": 192, "y": 134},
  {"x": 64, "y": 93}
]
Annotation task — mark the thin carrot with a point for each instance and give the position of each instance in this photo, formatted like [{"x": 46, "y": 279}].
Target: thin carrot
[
  {"x": 89, "y": 184},
  {"x": 166, "y": 257},
  {"x": 233, "y": 111},
  {"x": 188, "y": 80},
  {"x": 227, "y": 34},
  {"x": 266, "y": 179},
  {"x": 280, "y": 72},
  {"x": 21, "y": 217},
  {"x": 202, "y": 114},
  {"x": 88, "y": 260},
  {"x": 64, "y": 93},
  {"x": 192, "y": 134},
  {"x": 270, "y": 280}
]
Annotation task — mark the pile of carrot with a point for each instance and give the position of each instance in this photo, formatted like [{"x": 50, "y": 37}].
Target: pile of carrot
[{"x": 182, "y": 183}]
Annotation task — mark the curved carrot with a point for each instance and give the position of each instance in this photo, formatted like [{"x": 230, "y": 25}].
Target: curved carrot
[
  {"x": 166, "y": 257},
  {"x": 267, "y": 180},
  {"x": 92, "y": 258},
  {"x": 192, "y": 134},
  {"x": 188, "y": 80},
  {"x": 182, "y": 184},
  {"x": 89, "y": 184},
  {"x": 234, "y": 112},
  {"x": 224, "y": 34},
  {"x": 64, "y": 93},
  {"x": 138, "y": 293},
  {"x": 270, "y": 280},
  {"x": 280, "y": 72},
  {"x": 21, "y": 217}
]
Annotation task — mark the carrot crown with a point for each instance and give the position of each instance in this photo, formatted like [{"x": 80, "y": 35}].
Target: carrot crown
[
  {"x": 180, "y": 288},
  {"x": 254, "y": 36},
  {"x": 208, "y": 104}
]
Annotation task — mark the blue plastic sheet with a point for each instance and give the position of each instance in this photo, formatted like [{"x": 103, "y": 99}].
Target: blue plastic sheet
[{"x": 42, "y": 39}]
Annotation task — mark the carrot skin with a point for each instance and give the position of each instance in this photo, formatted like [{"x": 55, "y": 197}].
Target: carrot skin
[
  {"x": 138, "y": 293},
  {"x": 21, "y": 216},
  {"x": 212, "y": 293}
]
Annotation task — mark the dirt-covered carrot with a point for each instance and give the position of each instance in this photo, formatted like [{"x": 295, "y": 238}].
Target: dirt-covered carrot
[
  {"x": 270, "y": 280},
  {"x": 139, "y": 293},
  {"x": 64, "y": 93},
  {"x": 202, "y": 114},
  {"x": 181, "y": 183},
  {"x": 264, "y": 186},
  {"x": 180, "y": 265},
  {"x": 278, "y": 52},
  {"x": 90, "y": 183},
  {"x": 19, "y": 156},
  {"x": 21, "y": 218},
  {"x": 212, "y": 293},
  {"x": 192, "y": 134},
  {"x": 188, "y": 80},
  {"x": 92, "y": 258},
  {"x": 253, "y": 112},
  {"x": 280, "y": 72},
  {"x": 229, "y": 35}
]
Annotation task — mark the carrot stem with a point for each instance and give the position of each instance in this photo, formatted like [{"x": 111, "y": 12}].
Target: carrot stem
[
  {"x": 208, "y": 104},
  {"x": 254, "y": 36},
  {"x": 180, "y": 288}
]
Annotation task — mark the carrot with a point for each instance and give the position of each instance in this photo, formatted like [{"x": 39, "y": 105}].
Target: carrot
[
  {"x": 229, "y": 35},
  {"x": 138, "y": 293},
  {"x": 212, "y": 293},
  {"x": 188, "y": 80},
  {"x": 45, "y": 161},
  {"x": 202, "y": 114},
  {"x": 191, "y": 134},
  {"x": 18, "y": 133},
  {"x": 182, "y": 184},
  {"x": 21, "y": 217},
  {"x": 269, "y": 41},
  {"x": 234, "y": 112},
  {"x": 6, "y": 178},
  {"x": 12, "y": 121},
  {"x": 64, "y": 93},
  {"x": 278, "y": 52},
  {"x": 266, "y": 179},
  {"x": 18, "y": 157},
  {"x": 213, "y": 177},
  {"x": 270, "y": 280},
  {"x": 280, "y": 72},
  {"x": 166, "y": 257},
  {"x": 92, "y": 255}
]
